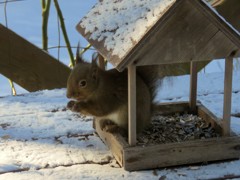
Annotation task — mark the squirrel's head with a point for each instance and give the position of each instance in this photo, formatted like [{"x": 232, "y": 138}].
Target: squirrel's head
[{"x": 83, "y": 80}]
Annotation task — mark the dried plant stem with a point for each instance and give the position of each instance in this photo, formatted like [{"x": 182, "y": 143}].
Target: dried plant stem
[
  {"x": 61, "y": 19},
  {"x": 45, "y": 14},
  {"x": 85, "y": 49},
  {"x": 59, "y": 37},
  {"x": 14, "y": 93},
  {"x": 58, "y": 46}
]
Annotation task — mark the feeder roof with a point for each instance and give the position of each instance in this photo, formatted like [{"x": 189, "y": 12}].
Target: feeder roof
[{"x": 149, "y": 32}]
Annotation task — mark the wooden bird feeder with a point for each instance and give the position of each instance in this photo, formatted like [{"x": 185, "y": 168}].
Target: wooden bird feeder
[{"x": 182, "y": 31}]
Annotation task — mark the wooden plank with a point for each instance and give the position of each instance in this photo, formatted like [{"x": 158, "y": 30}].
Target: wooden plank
[
  {"x": 173, "y": 154},
  {"x": 132, "y": 110},
  {"x": 209, "y": 117},
  {"x": 150, "y": 42},
  {"x": 179, "y": 36},
  {"x": 193, "y": 87},
  {"x": 218, "y": 21},
  {"x": 99, "y": 46},
  {"x": 183, "y": 39},
  {"x": 227, "y": 96},
  {"x": 219, "y": 46},
  {"x": 29, "y": 66},
  {"x": 115, "y": 142},
  {"x": 171, "y": 108}
]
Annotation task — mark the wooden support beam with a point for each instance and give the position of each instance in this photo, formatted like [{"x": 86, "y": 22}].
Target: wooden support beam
[
  {"x": 132, "y": 105},
  {"x": 27, "y": 65},
  {"x": 193, "y": 87},
  {"x": 227, "y": 96}
]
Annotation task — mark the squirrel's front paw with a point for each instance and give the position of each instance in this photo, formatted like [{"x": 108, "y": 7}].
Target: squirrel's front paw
[
  {"x": 70, "y": 104},
  {"x": 74, "y": 106}
]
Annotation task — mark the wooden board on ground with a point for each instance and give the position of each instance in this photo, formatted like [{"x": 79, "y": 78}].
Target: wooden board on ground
[
  {"x": 171, "y": 154},
  {"x": 27, "y": 65}
]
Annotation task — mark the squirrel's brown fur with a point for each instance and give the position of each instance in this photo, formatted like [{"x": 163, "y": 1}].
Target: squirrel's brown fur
[{"x": 104, "y": 95}]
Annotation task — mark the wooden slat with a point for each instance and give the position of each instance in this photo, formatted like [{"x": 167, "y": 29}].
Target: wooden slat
[
  {"x": 132, "y": 111},
  {"x": 219, "y": 22},
  {"x": 209, "y": 117},
  {"x": 193, "y": 87},
  {"x": 171, "y": 108},
  {"x": 173, "y": 154},
  {"x": 218, "y": 47},
  {"x": 29, "y": 66},
  {"x": 227, "y": 96},
  {"x": 180, "y": 35},
  {"x": 184, "y": 39},
  {"x": 115, "y": 142}
]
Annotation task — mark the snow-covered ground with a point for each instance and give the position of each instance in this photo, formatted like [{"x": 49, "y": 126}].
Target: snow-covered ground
[{"x": 40, "y": 139}]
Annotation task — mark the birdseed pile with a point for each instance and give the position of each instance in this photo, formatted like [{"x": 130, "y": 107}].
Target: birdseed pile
[{"x": 176, "y": 128}]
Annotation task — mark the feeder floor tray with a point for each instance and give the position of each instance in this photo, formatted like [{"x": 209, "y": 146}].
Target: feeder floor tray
[{"x": 148, "y": 156}]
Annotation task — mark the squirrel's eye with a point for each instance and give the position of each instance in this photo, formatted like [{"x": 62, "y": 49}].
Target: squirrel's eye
[{"x": 82, "y": 83}]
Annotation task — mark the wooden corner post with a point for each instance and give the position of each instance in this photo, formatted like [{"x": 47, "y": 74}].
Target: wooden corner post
[
  {"x": 227, "y": 96},
  {"x": 132, "y": 105},
  {"x": 193, "y": 87}
]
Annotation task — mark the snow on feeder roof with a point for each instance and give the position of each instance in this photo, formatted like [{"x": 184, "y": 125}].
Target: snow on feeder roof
[
  {"x": 151, "y": 32},
  {"x": 122, "y": 23}
]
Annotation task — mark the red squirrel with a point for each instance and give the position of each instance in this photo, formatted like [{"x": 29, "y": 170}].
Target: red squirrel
[{"x": 104, "y": 95}]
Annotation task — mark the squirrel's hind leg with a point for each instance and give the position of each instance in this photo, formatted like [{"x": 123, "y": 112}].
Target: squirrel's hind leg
[{"x": 108, "y": 125}]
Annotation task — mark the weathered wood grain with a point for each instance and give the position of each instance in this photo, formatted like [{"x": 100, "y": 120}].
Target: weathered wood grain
[
  {"x": 209, "y": 117},
  {"x": 172, "y": 154},
  {"x": 27, "y": 65},
  {"x": 171, "y": 108},
  {"x": 188, "y": 30},
  {"x": 163, "y": 155},
  {"x": 115, "y": 142},
  {"x": 227, "y": 104},
  {"x": 132, "y": 103},
  {"x": 193, "y": 87}
]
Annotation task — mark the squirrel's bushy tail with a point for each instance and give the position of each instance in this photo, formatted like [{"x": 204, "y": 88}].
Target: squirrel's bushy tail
[{"x": 154, "y": 74}]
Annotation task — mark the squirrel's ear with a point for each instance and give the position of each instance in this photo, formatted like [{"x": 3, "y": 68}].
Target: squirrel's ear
[
  {"x": 78, "y": 57},
  {"x": 94, "y": 67}
]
